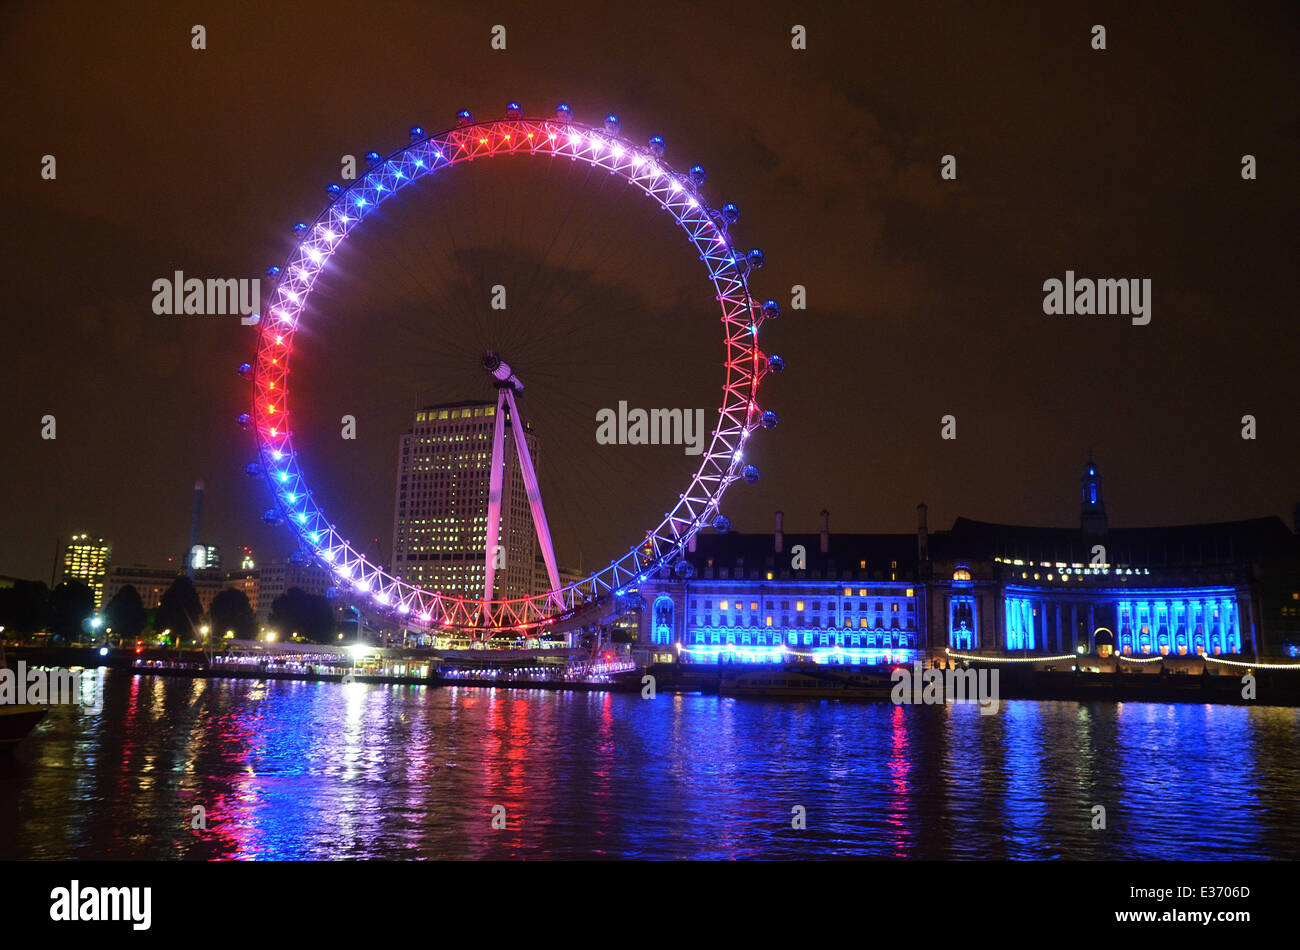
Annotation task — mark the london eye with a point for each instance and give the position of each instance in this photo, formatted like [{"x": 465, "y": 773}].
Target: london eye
[{"x": 688, "y": 509}]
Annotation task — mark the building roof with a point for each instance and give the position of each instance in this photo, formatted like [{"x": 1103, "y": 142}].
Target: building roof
[
  {"x": 845, "y": 552},
  {"x": 876, "y": 556},
  {"x": 1222, "y": 542},
  {"x": 462, "y": 404}
]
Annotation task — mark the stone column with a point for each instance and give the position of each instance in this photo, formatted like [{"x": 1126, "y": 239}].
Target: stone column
[{"x": 999, "y": 619}]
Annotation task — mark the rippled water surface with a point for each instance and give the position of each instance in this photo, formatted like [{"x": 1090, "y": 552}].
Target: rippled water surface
[{"x": 299, "y": 770}]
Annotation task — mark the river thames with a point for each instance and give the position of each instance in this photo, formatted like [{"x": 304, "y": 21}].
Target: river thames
[{"x": 291, "y": 770}]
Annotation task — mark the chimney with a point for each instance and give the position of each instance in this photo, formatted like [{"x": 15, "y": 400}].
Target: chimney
[
  {"x": 780, "y": 531},
  {"x": 826, "y": 531},
  {"x": 922, "y": 534}
]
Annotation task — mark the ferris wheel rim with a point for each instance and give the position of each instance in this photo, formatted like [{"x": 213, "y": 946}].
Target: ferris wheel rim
[{"x": 721, "y": 463}]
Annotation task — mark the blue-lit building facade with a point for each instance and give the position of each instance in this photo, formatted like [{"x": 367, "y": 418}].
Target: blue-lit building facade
[
  {"x": 769, "y": 598},
  {"x": 1229, "y": 590}
]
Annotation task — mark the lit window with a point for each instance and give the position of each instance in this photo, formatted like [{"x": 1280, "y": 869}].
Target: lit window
[
  {"x": 798, "y": 605},
  {"x": 769, "y": 621}
]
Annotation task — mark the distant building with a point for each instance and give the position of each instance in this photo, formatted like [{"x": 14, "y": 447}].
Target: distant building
[
  {"x": 152, "y": 582},
  {"x": 260, "y": 585},
  {"x": 248, "y": 581},
  {"x": 1226, "y": 589},
  {"x": 441, "y": 508},
  {"x": 86, "y": 559},
  {"x": 205, "y": 557},
  {"x": 275, "y": 577}
]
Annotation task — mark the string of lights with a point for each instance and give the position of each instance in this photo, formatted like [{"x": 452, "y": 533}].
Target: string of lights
[{"x": 1266, "y": 666}]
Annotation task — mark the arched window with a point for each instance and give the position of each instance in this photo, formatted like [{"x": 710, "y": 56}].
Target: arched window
[
  {"x": 661, "y": 627},
  {"x": 961, "y": 623}
]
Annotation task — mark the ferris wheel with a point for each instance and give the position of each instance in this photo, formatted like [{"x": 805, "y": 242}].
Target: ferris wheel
[{"x": 722, "y": 463}]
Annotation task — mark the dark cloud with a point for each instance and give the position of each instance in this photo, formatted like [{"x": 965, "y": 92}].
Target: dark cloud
[{"x": 925, "y": 296}]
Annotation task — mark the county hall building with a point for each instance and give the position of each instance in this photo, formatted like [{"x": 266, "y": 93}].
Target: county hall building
[{"x": 1230, "y": 589}]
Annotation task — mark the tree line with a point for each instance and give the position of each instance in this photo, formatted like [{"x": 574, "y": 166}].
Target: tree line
[{"x": 67, "y": 613}]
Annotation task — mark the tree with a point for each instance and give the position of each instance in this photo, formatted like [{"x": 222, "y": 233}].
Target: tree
[
  {"x": 231, "y": 611},
  {"x": 25, "y": 607},
  {"x": 308, "y": 615},
  {"x": 125, "y": 614},
  {"x": 71, "y": 604},
  {"x": 179, "y": 611}
]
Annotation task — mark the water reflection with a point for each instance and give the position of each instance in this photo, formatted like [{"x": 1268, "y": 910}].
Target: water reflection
[{"x": 312, "y": 771}]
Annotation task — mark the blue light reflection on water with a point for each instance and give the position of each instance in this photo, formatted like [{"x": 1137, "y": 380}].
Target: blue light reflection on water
[{"x": 298, "y": 770}]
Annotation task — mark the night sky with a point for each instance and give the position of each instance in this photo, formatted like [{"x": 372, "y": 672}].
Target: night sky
[{"x": 924, "y": 296}]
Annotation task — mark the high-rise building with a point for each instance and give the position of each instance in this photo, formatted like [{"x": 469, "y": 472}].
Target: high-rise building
[
  {"x": 441, "y": 511},
  {"x": 86, "y": 559},
  {"x": 205, "y": 557}
]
